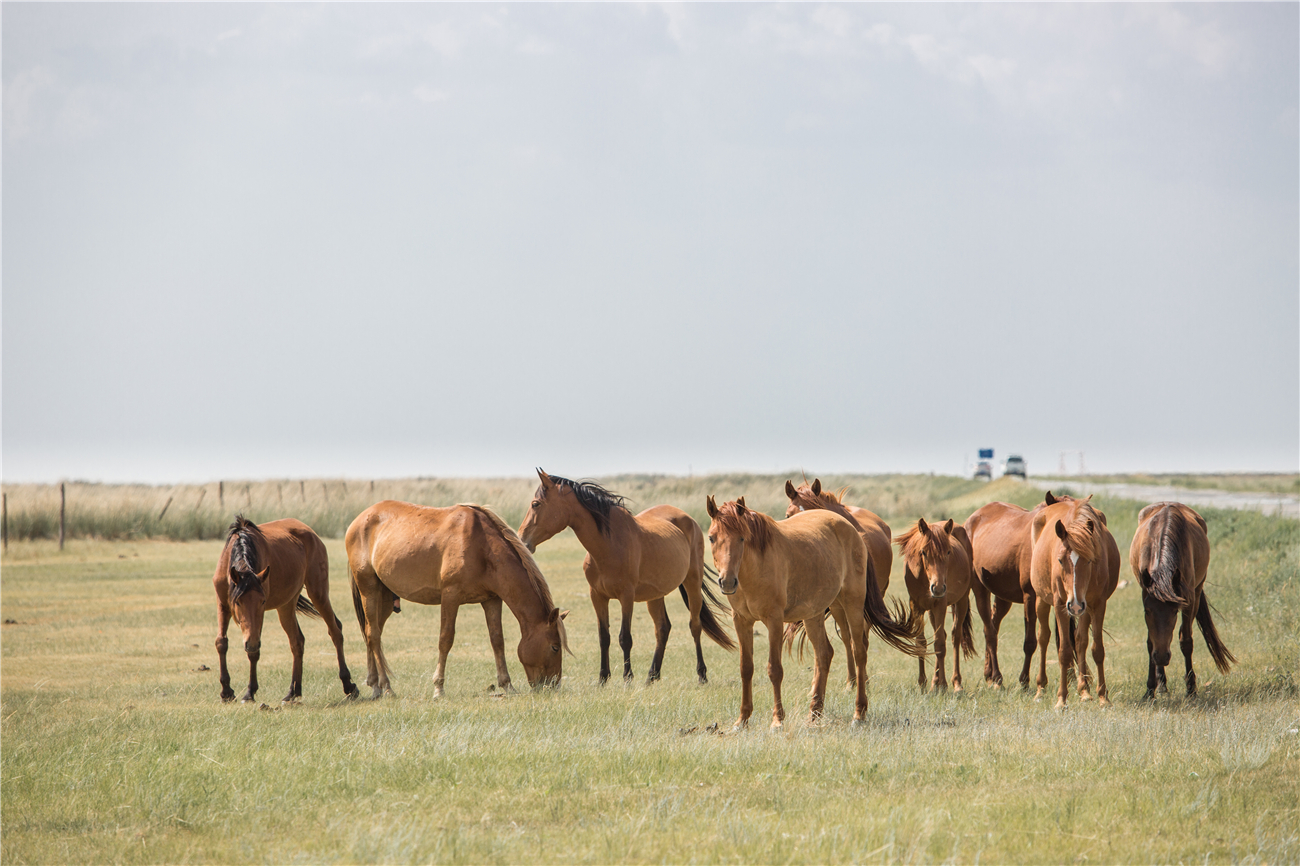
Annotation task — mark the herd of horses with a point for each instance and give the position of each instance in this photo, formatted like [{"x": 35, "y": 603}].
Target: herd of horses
[{"x": 825, "y": 559}]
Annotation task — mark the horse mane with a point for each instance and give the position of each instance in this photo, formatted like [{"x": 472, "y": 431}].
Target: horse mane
[
  {"x": 914, "y": 542},
  {"x": 597, "y": 500},
  {"x": 754, "y": 526},
  {"x": 245, "y": 560},
  {"x": 1085, "y": 541},
  {"x": 805, "y": 498},
  {"x": 535, "y": 577},
  {"x": 1169, "y": 537}
]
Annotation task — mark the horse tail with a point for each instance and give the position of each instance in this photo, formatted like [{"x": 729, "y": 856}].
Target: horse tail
[
  {"x": 1167, "y": 537},
  {"x": 306, "y": 608},
  {"x": 708, "y": 618},
  {"x": 1223, "y": 659},
  {"x": 361, "y": 611},
  {"x": 966, "y": 637},
  {"x": 795, "y": 630},
  {"x": 901, "y": 629}
]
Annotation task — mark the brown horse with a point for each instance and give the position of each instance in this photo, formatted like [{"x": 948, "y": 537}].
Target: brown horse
[
  {"x": 937, "y": 572},
  {"x": 874, "y": 532},
  {"x": 630, "y": 558},
  {"x": 1074, "y": 570},
  {"x": 1169, "y": 556},
  {"x": 265, "y": 568},
  {"x": 464, "y": 554},
  {"x": 793, "y": 571}
]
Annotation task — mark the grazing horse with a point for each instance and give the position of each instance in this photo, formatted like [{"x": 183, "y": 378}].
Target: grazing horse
[
  {"x": 937, "y": 571},
  {"x": 874, "y": 532},
  {"x": 266, "y": 568},
  {"x": 1169, "y": 557},
  {"x": 1074, "y": 570},
  {"x": 464, "y": 554},
  {"x": 793, "y": 571},
  {"x": 630, "y": 558}
]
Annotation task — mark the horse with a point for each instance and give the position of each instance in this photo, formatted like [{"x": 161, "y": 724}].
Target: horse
[
  {"x": 1074, "y": 569},
  {"x": 464, "y": 554},
  {"x": 874, "y": 532},
  {"x": 938, "y": 575},
  {"x": 267, "y": 567},
  {"x": 792, "y": 571},
  {"x": 640, "y": 558},
  {"x": 1169, "y": 556}
]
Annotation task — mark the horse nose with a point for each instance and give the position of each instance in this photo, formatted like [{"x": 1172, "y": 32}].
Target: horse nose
[
  {"x": 1076, "y": 608},
  {"x": 728, "y": 585},
  {"x": 252, "y": 646},
  {"x": 1161, "y": 657},
  {"x": 938, "y": 591}
]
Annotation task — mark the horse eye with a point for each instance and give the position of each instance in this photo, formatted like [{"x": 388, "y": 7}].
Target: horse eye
[
  {"x": 537, "y": 503},
  {"x": 555, "y": 647},
  {"x": 710, "y": 539}
]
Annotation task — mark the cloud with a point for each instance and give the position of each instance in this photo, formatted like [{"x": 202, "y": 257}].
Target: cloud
[
  {"x": 22, "y": 96},
  {"x": 429, "y": 94}
]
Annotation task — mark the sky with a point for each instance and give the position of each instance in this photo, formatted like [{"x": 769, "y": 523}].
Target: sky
[{"x": 357, "y": 240}]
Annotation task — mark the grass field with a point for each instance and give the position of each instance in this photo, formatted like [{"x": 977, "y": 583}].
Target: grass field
[{"x": 114, "y": 745}]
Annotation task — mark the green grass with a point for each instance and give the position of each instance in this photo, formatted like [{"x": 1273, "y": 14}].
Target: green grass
[{"x": 114, "y": 746}]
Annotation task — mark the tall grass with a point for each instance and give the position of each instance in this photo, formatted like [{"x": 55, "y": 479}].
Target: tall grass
[{"x": 203, "y": 511}]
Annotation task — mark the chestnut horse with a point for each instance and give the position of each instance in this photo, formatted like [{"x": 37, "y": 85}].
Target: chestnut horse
[
  {"x": 266, "y": 568},
  {"x": 874, "y": 532},
  {"x": 793, "y": 571},
  {"x": 1169, "y": 556},
  {"x": 464, "y": 554},
  {"x": 1074, "y": 569},
  {"x": 937, "y": 571},
  {"x": 630, "y": 558}
]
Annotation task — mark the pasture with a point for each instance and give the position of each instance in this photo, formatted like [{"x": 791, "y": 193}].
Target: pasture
[{"x": 115, "y": 747}]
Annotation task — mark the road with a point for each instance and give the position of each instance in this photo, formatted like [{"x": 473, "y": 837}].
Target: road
[{"x": 1267, "y": 503}]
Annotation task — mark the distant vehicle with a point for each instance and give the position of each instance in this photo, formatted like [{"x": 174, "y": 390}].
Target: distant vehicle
[
  {"x": 1015, "y": 466},
  {"x": 983, "y": 471}
]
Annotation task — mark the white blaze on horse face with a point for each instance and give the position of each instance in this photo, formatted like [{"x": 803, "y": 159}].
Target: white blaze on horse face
[{"x": 1074, "y": 578}]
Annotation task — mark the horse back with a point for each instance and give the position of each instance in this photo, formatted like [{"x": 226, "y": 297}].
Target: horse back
[
  {"x": 820, "y": 551},
  {"x": 411, "y": 548},
  {"x": 1000, "y": 548}
]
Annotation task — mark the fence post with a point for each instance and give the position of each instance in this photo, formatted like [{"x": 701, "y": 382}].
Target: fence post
[
  {"x": 221, "y": 495},
  {"x": 63, "y": 512},
  {"x": 166, "y": 505}
]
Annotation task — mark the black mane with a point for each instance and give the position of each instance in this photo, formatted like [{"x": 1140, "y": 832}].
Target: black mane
[
  {"x": 245, "y": 561},
  {"x": 598, "y": 501}
]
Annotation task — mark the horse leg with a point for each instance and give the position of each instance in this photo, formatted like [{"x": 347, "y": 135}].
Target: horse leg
[
  {"x": 960, "y": 611},
  {"x": 223, "y": 623},
  {"x": 659, "y": 614},
  {"x": 815, "y": 627},
  {"x": 920, "y": 657},
  {"x": 695, "y": 604},
  {"x": 446, "y": 637},
  {"x": 1099, "y": 654},
  {"x": 625, "y": 635},
  {"x": 1152, "y": 681},
  {"x": 376, "y": 607},
  {"x": 745, "y": 638},
  {"x": 842, "y": 625},
  {"x": 253, "y": 647},
  {"x": 775, "y": 671},
  {"x": 1043, "y": 611},
  {"x": 858, "y": 630},
  {"x": 1001, "y": 607},
  {"x": 940, "y": 681},
  {"x": 492, "y": 613},
  {"x": 317, "y": 587},
  {"x": 1031, "y": 640},
  {"x": 601, "y": 605},
  {"x": 1185, "y": 644},
  {"x": 1082, "y": 627},
  {"x": 982, "y": 601},
  {"x": 1064, "y": 654},
  {"x": 297, "y": 641}
]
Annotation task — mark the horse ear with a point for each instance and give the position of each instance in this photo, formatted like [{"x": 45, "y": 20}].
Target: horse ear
[
  {"x": 563, "y": 614},
  {"x": 947, "y": 527},
  {"x": 1060, "y": 531},
  {"x": 711, "y": 506},
  {"x": 1090, "y": 526},
  {"x": 817, "y": 487},
  {"x": 545, "y": 479},
  {"x": 789, "y": 490},
  {"x": 921, "y": 525},
  {"x": 261, "y": 575},
  {"x": 740, "y": 504},
  {"x": 1050, "y": 499},
  {"x": 554, "y": 616}
]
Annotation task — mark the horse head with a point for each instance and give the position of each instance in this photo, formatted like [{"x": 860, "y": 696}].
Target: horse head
[
  {"x": 926, "y": 548},
  {"x": 1079, "y": 554},
  {"x": 541, "y": 650},
  {"x": 732, "y": 528},
  {"x": 546, "y": 513}
]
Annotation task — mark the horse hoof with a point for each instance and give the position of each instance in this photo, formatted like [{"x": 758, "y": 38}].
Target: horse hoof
[
  {"x": 1103, "y": 702},
  {"x": 858, "y": 723},
  {"x": 1084, "y": 696},
  {"x": 777, "y": 726},
  {"x": 704, "y": 681},
  {"x": 1060, "y": 707},
  {"x": 956, "y": 687}
]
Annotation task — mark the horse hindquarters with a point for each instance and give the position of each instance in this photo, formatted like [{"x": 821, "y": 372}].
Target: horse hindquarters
[{"x": 373, "y": 605}]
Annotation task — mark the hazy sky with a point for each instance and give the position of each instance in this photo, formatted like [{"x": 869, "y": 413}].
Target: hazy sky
[{"x": 250, "y": 240}]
